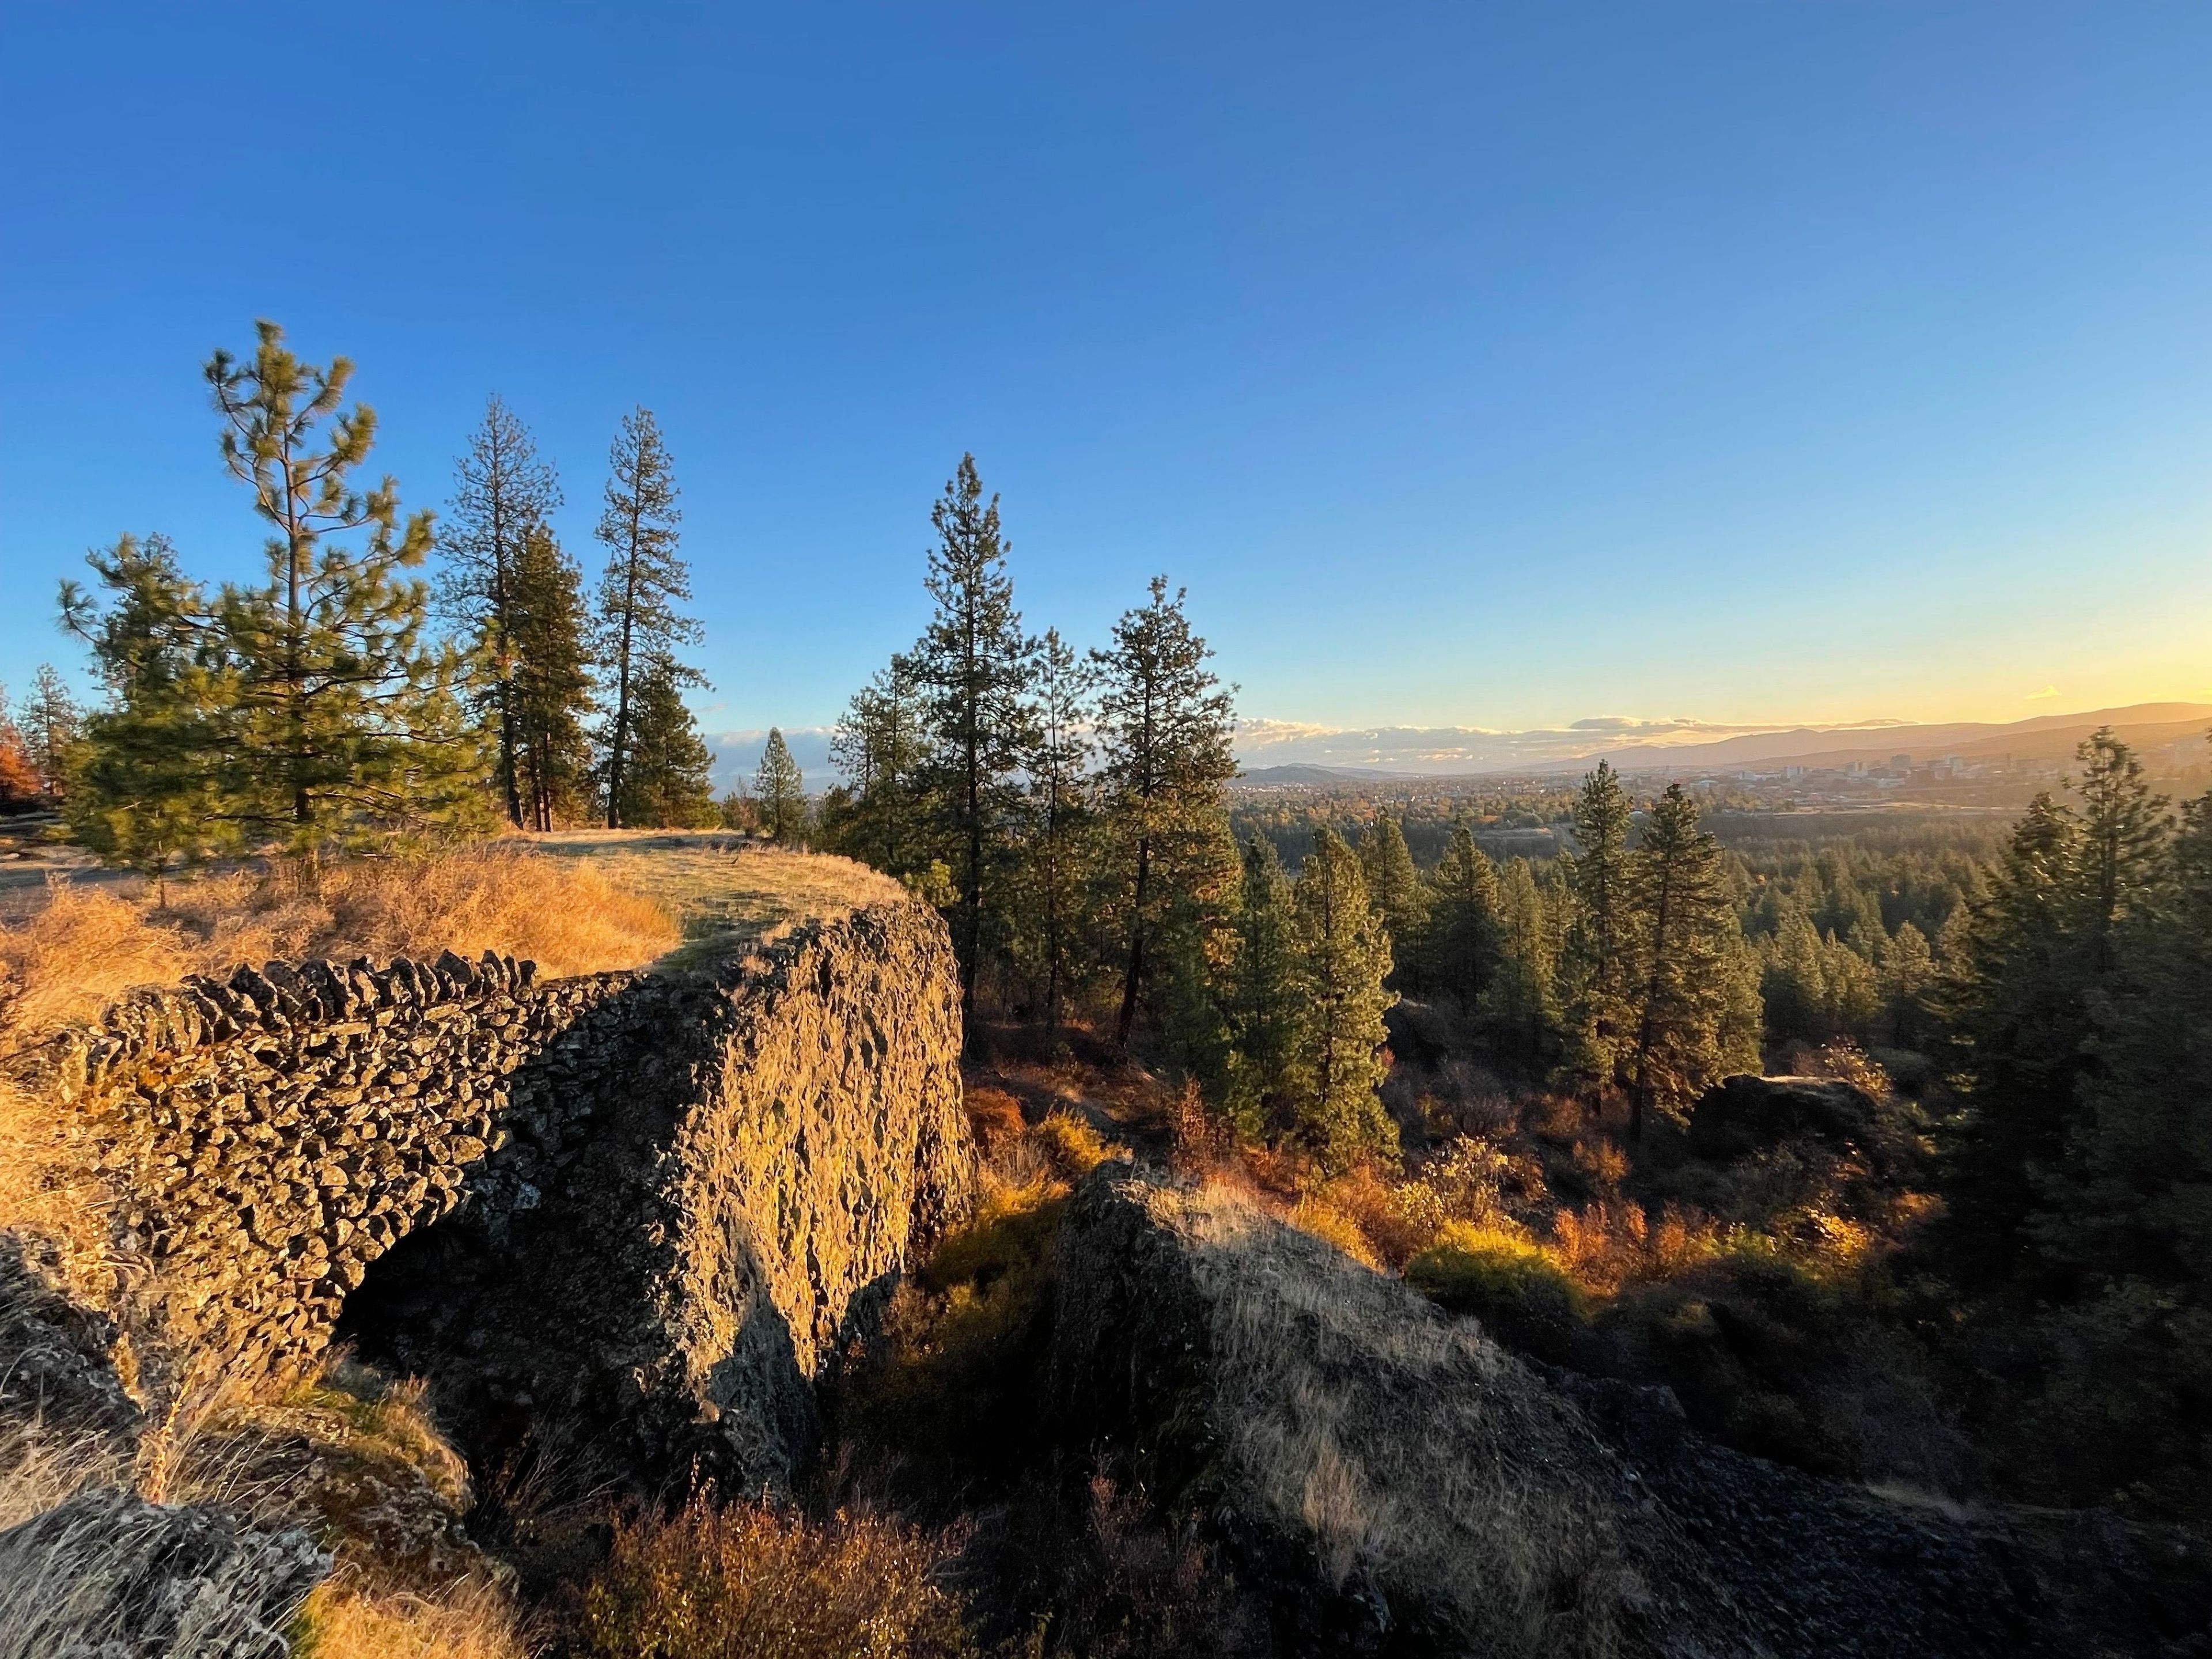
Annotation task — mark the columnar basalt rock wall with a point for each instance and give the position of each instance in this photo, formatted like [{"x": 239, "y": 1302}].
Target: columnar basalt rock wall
[
  {"x": 268, "y": 1136},
  {"x": 660, "y": 1196},
  {"x": 676, "y": 1278}
]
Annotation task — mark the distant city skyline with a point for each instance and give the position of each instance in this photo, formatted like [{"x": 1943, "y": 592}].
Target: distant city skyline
[{"x": 1497, "y": 369}]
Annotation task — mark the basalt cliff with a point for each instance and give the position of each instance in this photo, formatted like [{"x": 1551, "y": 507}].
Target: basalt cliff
[{"x": 640, "y": 1210}]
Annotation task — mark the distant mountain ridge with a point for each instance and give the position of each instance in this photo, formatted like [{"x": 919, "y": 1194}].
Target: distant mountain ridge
[
  {"x": 2045, "y": 737},
  {"x": 1265, "y": 776}
]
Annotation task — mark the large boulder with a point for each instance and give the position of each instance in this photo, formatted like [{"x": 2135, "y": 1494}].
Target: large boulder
[
  {"x": 1398, "y": 1483},
  {"x": 107, "y": 1574},
  {"x": 1744, "y": 1115}
]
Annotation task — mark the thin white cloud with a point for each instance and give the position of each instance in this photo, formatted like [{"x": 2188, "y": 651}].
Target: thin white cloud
[{"x": 2039, "y": 697}]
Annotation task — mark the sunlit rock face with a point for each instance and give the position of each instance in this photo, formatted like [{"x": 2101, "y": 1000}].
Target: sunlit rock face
[{"x": 640, "y": 1210}]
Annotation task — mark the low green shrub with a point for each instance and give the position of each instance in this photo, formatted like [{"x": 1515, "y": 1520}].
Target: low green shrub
[{"x": 1527, "y": 1299}]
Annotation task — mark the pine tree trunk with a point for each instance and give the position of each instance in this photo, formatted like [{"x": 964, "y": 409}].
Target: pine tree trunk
[
  {"x": 621, "y": 735},
  {"x": 509, "y": 782}
]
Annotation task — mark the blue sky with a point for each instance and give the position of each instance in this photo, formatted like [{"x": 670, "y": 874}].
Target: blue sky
[{"x": 1478, "y": 366}]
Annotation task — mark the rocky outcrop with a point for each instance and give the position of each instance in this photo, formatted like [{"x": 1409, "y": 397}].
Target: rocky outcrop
[
  {"x": 1742, "y": 1115},
  {"x": 1400, "y": 1484},
  {"x": 680, "y": 1276},
  {"x": 667, "y": 1193},
  {"x": 108, "y": 1575}
]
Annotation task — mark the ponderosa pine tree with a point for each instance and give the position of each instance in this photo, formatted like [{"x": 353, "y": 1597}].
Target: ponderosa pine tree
[
  {"x": 1459, "y": 942},
  {"x": 2123, "y": 828},
  {"x": 779, "y": 791},
  {"x": 645, "y": 580},
  {"x": 502, "y": 493},
  {"x": 2039, "y": 954},
  {"x": 878, "y": 747},
  {"x": 975, "y": 665},
  {"x": 1164, "y": 723},
  {"x": 1597, "y": 988},
  {"x": 549, "y": 633},
  {"x": 2122, "y": 1224},
  {"x": 1343, "y": 960},
  {"x": 1522, "y": 1002},
  {"x": 146, "y": 777},
  {"x": 1264, "y": 997},
  {"x": 1058, "y": 820},
  {"x": 343, "y": 721},
  {"x": 1908, "y": 984},
  {"x": 1394, "y": 887},
  {"x": 49, "y": 721},
  {"x": 1690, "y": 965},
  {"x": 2020, "y": 1015},
  {"x": 666, "y": 777}
]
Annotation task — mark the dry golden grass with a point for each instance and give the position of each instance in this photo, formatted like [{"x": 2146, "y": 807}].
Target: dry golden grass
[
  {"x": 86, "y": 946},
  {"x": 344, "y": 1619},
  {"x": 46, "y": 1187},
  {"x": 748, "y": 1582},
  {"x": 568, "y": 918},
  {"x": 725, "y": 893}
]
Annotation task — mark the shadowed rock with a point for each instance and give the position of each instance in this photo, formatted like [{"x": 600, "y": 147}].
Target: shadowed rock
[{"x": 1400, "y": 1484}]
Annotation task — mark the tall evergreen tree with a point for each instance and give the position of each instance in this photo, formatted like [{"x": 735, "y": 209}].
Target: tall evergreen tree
[
  {"x": 49, "y": 719},
  {"x": 550, "y": 693},
  {"x": 1395, "y": 889},
  {"x": 1343, "y": 959},
  {"x": 344, "y": 721},
  {"x": 1598, "y": 989},
  {"x": 146, "y": 776},
  {"x": 2123, "y": 827},
  {"x": 1689, "y": 964},
  {"x": 879, "y": 748},
  {"x": 1058, "y": 768},
  {"x": 1460, "y": 940},
  {"x": 1908, "y": 983},
  {"x": 1164, "y": 723},
  {"x": 976, "y": 665},
  {"x": 2123, "y": 1230},
  {"x": 502, "y": 493},
  {"x": 664, "y": 780},
  {"x": 1265, "y": 1010},
  {"x": 645, "y": 580},
  {"x": 780, "y": 789},
  {"x": 2040, "y": 953},
  {"x": 1521, "y": 1003}
]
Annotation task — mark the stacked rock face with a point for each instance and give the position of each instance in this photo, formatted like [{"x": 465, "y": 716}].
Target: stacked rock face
[{"x": 709, "y": 1156}]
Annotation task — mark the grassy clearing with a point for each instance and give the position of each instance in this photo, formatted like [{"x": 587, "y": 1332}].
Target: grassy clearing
[
  {"x": 724, "y": 892},
  {"x": 88, "y": 945}
]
